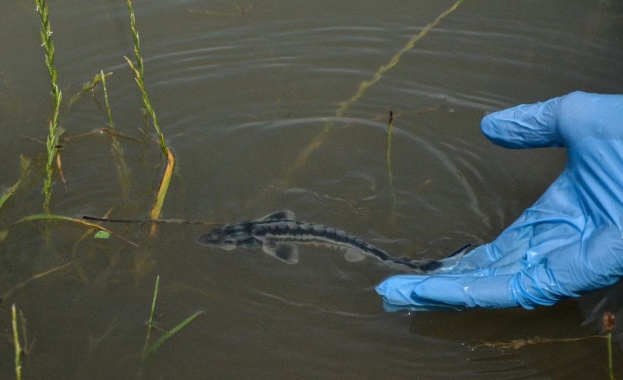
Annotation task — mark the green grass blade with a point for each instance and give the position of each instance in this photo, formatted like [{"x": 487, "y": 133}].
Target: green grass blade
[
  {"x": 7, "y": 194},
  {"x": 111, "y": 125},
  {"x": 89, "y": 86},
  {"x": 53, "y": 134},
  {"x": 150, "y": 324},
  {"x": 148, "y": 352},
  {"x": 168, "y": 335},
  {"x": 123, "y": 172},
  {"x": 139, "y": 75}
]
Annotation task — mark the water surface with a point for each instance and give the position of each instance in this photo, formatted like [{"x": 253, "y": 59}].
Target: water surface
[{"x": 240, "y": 92}]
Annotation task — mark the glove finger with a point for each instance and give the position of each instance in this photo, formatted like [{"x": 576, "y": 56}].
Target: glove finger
[
  {"x": 524, "y": 126},
  {"x": 528, "y": 288},
  {"x": 569, "y": 271},
  {"x": 397, "y": 290},
  {"x": 467, "y": 290}
]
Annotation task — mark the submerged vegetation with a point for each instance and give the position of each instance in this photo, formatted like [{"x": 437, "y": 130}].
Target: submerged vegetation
[
  {"x": 17, "y": 344},
  {"x": 149, "y": 351},
  {"x": 329, "y": 129},
  {"x": 139, "y": 76},
  {"x": 53, "y": 144}
]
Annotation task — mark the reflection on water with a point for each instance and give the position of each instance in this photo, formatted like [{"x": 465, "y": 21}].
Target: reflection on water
[{"x": 240, "y": 92}]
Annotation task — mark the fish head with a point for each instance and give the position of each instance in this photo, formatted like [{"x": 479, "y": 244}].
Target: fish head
[{"x": 231, "y": 236}]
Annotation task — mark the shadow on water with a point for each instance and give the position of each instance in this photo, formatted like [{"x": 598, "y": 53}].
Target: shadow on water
[{"x": 240, "y": 92}]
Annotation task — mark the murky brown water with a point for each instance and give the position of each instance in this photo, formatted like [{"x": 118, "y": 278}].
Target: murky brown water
[{"x": 240, "y": 92}]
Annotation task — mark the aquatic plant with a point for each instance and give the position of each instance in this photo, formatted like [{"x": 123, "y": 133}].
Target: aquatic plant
[
  {"x": 138, "y": 70},
  {"x": 61, "y": 218},
  {"x": 608, "y": 324},
  {"x": 388, "y": 151},
  {"x": 329, "y": 129},
  {"x": 16, "y": 343},
  {"x": 89, "y": 86},
  {"x": 52, "y": 144},
  {"x": 149, "y": 351},
  {"x": 122, "y": 168},
  {"x": 53, "y": 131},
  {"x": 37, "y": 276},
  {"x": 150, "y": 323},
  {"x": 139, "y": 77},
  {"x": 9, "y": 192}
]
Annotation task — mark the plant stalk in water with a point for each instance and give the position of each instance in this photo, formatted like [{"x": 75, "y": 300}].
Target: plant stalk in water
[
  {"x": 388, "y": 159},
  {"x": 388, "y": 153},
  {"x": 608, "y": 324},
  {"x": 150, "y": 323},
  {"x": 139, "y": 77},
  {"x": 149, "y": 351},
  {"x": 122, "y": 168},
  {"x": 18, "y": 347},
  {"x": 328, "y": 130},
  {"x": 53, "y": 130}
]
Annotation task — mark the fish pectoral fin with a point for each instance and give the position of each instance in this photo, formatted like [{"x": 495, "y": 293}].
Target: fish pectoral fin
[
  {"x": 279, "y": 215},
  {"x": 353, "y": 255},
  {"x": 288, "y": 253}
]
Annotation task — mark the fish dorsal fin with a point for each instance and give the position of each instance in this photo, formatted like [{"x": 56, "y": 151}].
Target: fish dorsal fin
[
  {"x": 279, "y": 215},
  {"x": 288, "y": 253}
]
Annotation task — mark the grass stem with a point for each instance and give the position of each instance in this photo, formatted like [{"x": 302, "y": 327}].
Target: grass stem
[
  {"x": 139, "y": 76},
  {"x": 138, "y": 70},
  {"x": 123, "y": 172},
  {"x": 16, "y": 343},
  {"x": 388, "y": 152},
  {"x": 150, "y": 323},
  {"x": 363, "y": 87},
  {"x": 329, "y": 129},
  {"x": 149, "y": 351},
  {"x": 610, "y": 366},
  {"x": 9, "y": 294},
  {"x": 608, "y": 323},
  {"x": 388, "y": 159},
  {"x": 111, "y": 125},
  {"x": 53, "y": 130}
]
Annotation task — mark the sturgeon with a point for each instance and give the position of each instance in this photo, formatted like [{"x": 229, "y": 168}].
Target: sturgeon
[{"x": 279, "y": 234}]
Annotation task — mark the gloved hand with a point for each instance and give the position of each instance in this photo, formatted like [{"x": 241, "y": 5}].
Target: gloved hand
[{"x": 569, "y": 242}]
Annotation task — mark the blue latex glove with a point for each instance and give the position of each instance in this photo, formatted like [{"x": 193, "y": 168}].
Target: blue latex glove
[{"x": 569, "y": 242}]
